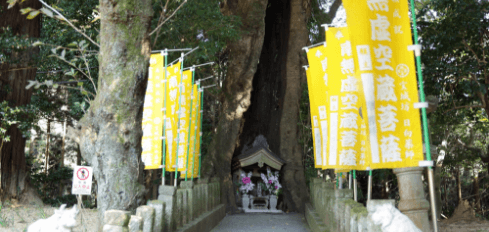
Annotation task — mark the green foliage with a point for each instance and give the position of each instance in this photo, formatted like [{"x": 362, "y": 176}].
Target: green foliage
[
  {"x": 23, "y": 117},
  {"x": 47, "y": 185},
  {"x": 197, "y": 23},
  {"x": 10, "y": 43}
]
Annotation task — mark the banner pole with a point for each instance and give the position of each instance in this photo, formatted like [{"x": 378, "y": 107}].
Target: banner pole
[
  {"x": 369, "y": 190},
  {"x": 190, "y": 122},
  {"x": 200, "y": 124},
  {"x": 424, "y": 118},
  {"x": 355, "y": 196},
  {"x": 349, "y": 180},
  {"x": 178, "y": 124},
  {"x": 337, "y": 180},
  {"x": 165, "y": 54}
]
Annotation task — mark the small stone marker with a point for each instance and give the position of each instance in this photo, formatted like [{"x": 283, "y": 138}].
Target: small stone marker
[
  {"x": 135, "y": 224},
  {"x": 148, "y": 215}
]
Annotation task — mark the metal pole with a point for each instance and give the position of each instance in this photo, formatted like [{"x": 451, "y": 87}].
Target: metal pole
[
  {"x": 203, "y": 79},
  {"x": 163, "y": 169},
  {"x": 200, "y": 125},
  {"x": 355, "y": 196},
  {"x": 199, "y": 65},
  {"x": 424, "y": 119},
  {"x": 172, "y": 50},
  {"x": 178, "y": 120},
  {"x": 349, "y": 180},
  {"x": 184, "y": 56},
  {"x": 369, "y": 188},
  {"x": 189, "y": 121},
  {"x": 314, "y": 45},
  {"x": 341, "y": 180},
  {"x": 337, "y": 181}
]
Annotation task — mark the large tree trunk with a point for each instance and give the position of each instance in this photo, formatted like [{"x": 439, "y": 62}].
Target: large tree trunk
[
  {"x": 290, "y": 150},
  {"x": 274, "y": 109},
  {"x": 236, "y": 92},
  {"x": 110, "y": 132},
  {"x": 14, "y": 176}
]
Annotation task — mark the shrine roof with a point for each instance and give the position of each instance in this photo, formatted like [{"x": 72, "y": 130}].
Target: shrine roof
[{"x": 261, "y": 155}]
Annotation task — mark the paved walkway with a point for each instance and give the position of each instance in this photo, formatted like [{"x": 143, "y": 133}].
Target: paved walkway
[{"x": 262, "y": 222}]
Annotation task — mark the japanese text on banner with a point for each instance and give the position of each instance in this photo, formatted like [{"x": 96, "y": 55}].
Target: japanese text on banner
[
  {"x": 318, "y": 94},
  {"x": 346, "y": 104},
  {"x": 193, "y": 159},
  {"x": 184, "y": 116},
  {"x": 152, "y": 123},
  {"x": 381, "y": 32}
]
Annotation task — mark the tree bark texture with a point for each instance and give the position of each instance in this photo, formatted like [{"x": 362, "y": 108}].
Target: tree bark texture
[
  {"x": 14, "y": 177},
  {"x": 110, "y": 132},
  {"x": 236, "y": 92}
]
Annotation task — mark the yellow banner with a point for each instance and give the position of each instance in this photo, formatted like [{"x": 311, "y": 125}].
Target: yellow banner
[
  {"x": 193, "y": 159},
  {"x": 381, "y": 33},
  {"x": 346, "y": 105},
  {"x": 318, "y": 91},
  {"x": 184, "y": 115},
  {"x": 173, "y": 81},
  {"x": 152, "y": 117},
  {"x": 198, "y": 133}
]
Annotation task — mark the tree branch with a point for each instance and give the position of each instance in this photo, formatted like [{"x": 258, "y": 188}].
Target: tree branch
[
  {"x": 333, "y": 10},
  {"x": 161, "y": 24},
  {"x": 464, "y": 107},
  {"x": 162, "y": 16},
  {"x": 73, "y": 26}
]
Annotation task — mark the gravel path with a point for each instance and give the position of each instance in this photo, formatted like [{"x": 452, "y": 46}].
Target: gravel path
[
  {"x": 18, "y": 218},
  {"x": 261, "y": 222}
]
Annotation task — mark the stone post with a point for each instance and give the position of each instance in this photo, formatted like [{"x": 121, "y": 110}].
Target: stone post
[
  {"x": 147, "y": 213},
  {"x": 328, "y": 198},
  {"x": 340, "y": 196},
  {"x": 189, "y": 186},
  {"x": 167, "y": 194},
  {"x": 179, "y": 209},
  {"x": 159, "y": 207},
  {"x": 411, "y": 191},
  {"x": 205, "y": 194},
  {"x": 136, "y": 224},
  {"x": 116, "y": 220}
]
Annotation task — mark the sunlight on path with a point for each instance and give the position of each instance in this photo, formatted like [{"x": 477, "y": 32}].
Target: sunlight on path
[{"x": 263, "y": 223}]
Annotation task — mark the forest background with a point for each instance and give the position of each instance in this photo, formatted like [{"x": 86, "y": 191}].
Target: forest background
[{"x": 65, "y": 67}]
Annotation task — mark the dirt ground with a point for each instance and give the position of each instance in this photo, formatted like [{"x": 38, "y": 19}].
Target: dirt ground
[{"x": 19, "y": 217}]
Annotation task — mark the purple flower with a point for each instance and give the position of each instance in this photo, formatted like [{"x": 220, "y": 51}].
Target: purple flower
[
  {"x": 276, "y": 187},
  {"x": 269, "y": 181},
  {"x": 246, "y": 180}
]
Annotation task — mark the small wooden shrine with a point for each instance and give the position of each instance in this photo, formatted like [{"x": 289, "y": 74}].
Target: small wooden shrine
[{"x": 256, "y": 159}]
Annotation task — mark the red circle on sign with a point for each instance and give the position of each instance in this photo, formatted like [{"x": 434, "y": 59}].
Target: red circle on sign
[{"x": 82, "y": 174}]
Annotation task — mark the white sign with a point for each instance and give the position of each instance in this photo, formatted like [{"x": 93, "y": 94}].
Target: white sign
[{"x": 82, "y": 180}]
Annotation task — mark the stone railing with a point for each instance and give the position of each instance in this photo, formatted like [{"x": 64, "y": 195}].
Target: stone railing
[
  {"x": 335, "y": 210},
  {"x": 191, "y": 207}
]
